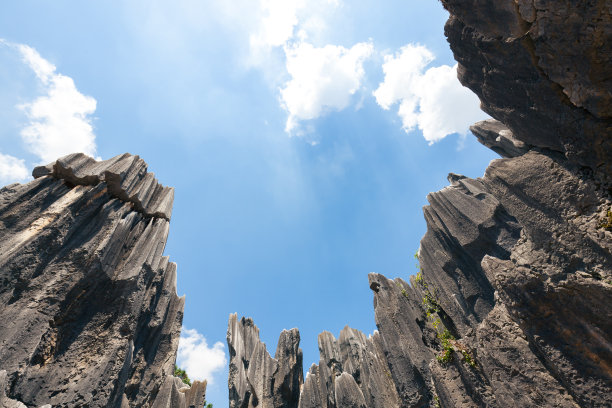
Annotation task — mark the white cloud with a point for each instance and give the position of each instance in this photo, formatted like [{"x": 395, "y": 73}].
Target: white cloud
[
  {"x": 277, "y": 23},
  {"x": 60, "y": 121},
  {"x": 284, "y": 39},
  {"x": 432, "y": 100},
  {"x": 271, "y": 36},
  {"x": 322, "y": 79},
  {"x": 12, "y": 169},
  {"x": 197, "y": 359},
  {"x": 280, "y": 21}
]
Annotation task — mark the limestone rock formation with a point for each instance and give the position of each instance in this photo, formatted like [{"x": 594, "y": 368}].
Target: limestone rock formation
[
  {"x": 512, "y": 305},
  {"x": 542, "y": 68},
  {"x": 497, "y": 137},
  {"x": 90, "y": 315},
  {"x": 255, "y": 378}
]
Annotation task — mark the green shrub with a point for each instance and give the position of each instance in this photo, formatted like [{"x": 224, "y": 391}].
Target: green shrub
[
  {"x": 446, "y": 339},
  {"x": 607, "y": 222},
  {"x": 180, "y": 373}
]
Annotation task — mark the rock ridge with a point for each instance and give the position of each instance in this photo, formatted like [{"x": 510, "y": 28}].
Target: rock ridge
[
  {"x": 90, "y": 314},
  {"x": 125, "y": 176}
]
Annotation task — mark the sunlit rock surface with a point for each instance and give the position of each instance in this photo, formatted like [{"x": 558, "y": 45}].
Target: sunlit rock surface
[
  {"x": 255, "y": 378},
  {"x": 90, "y": 315}
]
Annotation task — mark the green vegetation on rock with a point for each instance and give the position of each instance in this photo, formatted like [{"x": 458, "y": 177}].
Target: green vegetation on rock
[
  {"x": 182, "y": 374},
  {"x": 447, "y": 341},
  {"x": 607, "y": 222}
]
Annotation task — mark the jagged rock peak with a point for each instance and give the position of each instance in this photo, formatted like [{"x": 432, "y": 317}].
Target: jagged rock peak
[
  {"x": 174, "y": 393},
  {"x": 125, "y": 176},
  {"x": 90, "y": 314},
  {"x": 352, "y": 372},
  {"x": 257, "y": 379}
]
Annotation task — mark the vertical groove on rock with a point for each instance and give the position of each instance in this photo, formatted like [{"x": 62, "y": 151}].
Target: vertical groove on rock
[
  {"x": 89, "y": 305},
  {"x": 255, "y": 378}
]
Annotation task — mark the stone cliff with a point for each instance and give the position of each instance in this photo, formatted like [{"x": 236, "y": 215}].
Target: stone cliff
[
  {"x": 512, "y": 305},
  {"x": 90, "y": 315}
]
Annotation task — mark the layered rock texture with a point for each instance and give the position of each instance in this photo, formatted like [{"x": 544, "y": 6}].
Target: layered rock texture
[
  {"x": 90, "y": 315},
  {"x": 512, "y": 306},
  {"x": 543, "y": 69}
]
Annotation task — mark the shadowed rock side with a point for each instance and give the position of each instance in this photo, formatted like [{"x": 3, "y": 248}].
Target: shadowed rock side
[
  {"x": 511, "y": 307},
  {"x": 90, "y": 315},
  {"x": 542, "y": 68}
]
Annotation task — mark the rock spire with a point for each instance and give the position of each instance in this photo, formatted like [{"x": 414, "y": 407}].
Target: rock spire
[{"x": 90, "y": 314}]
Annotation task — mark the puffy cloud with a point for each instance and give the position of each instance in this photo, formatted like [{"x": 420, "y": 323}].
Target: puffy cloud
[
  {"x": 279, "y": 21},
  {"x": 197, "y": 359},
  {"x": 60, "y": 121},
  {"x": 12, "y": 169},
  {"x": 322, "y": 79},
  {"x": 432, "y": 100}
]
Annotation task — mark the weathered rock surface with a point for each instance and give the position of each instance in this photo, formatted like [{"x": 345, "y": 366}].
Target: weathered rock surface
[
  {"x": 90, "y": 315},
  {"x": 255, "y": 378},
  {"x": 499, "y": 138},
  {"x": 542, "y": 68},
  {"x": 512, "y": 306}
]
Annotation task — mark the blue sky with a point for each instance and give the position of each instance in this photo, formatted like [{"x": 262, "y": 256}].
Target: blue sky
[{"x": 302, "y": 139}]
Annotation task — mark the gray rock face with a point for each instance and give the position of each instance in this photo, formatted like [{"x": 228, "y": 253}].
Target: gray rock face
[
  {"x": 542, "y": 69},
  {"x": 352, "y": 372},
  {"x": 512, "y": 306},
  {"x": 90, "y": 315},
  {"x": 6, "y": 402},
  {"x": 195, "y": 396},
  {"x": 499, "y": 138},
  {"x": 255, "y": 378}
]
